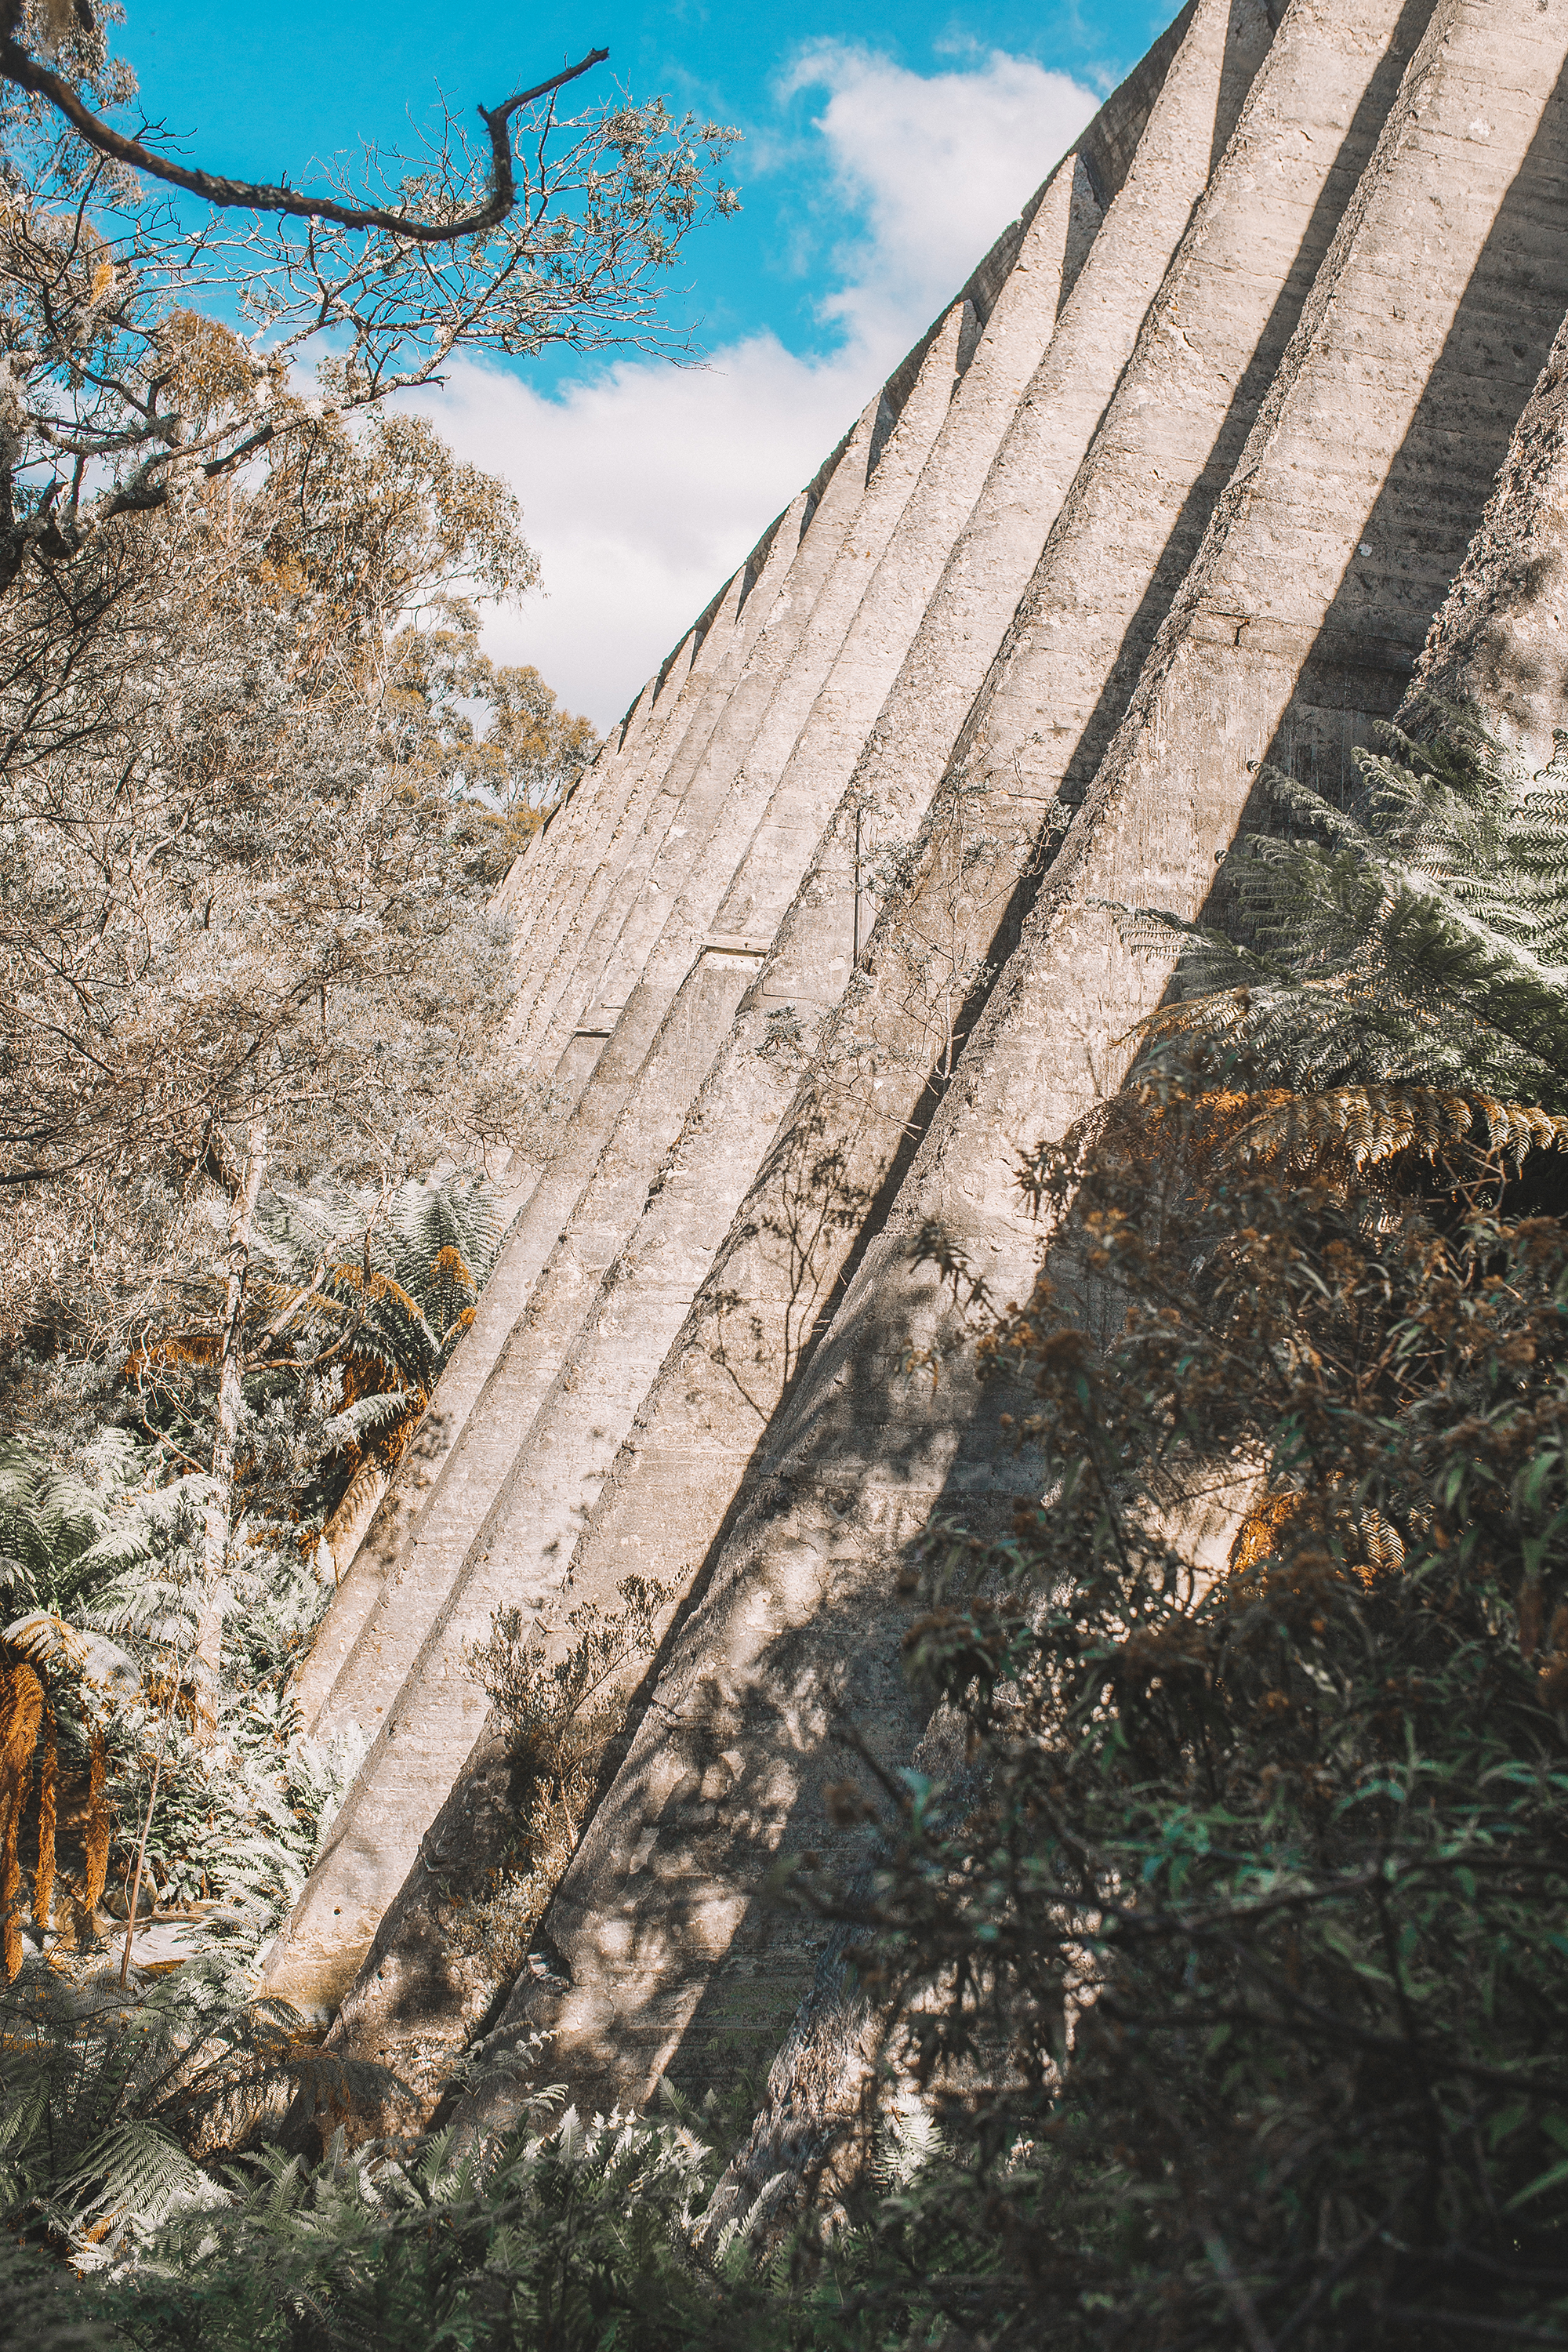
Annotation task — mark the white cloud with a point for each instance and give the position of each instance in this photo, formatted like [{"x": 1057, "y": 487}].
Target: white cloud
[
  {"x": 642, "y": 489},
  {"x": 934, "y": 165},
  {"x": 645, "y": 485}
]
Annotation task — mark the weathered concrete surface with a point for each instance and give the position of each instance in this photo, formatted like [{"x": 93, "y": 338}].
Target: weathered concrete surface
[
  {"x": 1501, "y": 639},
  {"x": 1156, "y": 205},
  {"x": 1220, "y": 538},
  {"x": 593, "y": 904},
  {"x": 406, "y": 1593},
  {"x": 1428, "y": 323},
  {"x": 615, "y": 890},
  {"x": 799, "y": 1227},
  {"x": 707, "y": 696}
]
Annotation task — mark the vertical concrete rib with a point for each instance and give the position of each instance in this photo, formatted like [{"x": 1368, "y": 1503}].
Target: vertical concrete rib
[
  {"x": 585, "y": 987},
  {"x": 571, "y": 983},
  {"x": 593, "y": 932},
  {"x": 1420, "y": 358},
  {"x": 390, "y": 1641},
  {"x": 667, "y": 921},
  {"x": 1205, "y": 83},
  {"x": 1501, "y": 639},
  {"x": 559, "y": 848},
  {"x": 565, "y": 953},
  {"x": 539, "y": 862},
  {"x": 602, "y": 827}
]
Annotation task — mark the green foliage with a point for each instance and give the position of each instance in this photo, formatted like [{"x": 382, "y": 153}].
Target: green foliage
[
  {"x": 240, "y": 1816},
  {"x": 564, "y": 1701},
  {"x": 568, "y": 2240},
  {"x": 46, "y": 2309},
  {"x": 1235, "y": 1983},
  {"x": 239, "y": 1813},
  {"x": 364, "y": 1295},
  {"x": 355, "y": 1301},
  {"x": 102, "y": 2092},
  {"x": 387, "y": 1280},
  {"x": 1227, "y": 1980},
  {"x": 1417, "y": 940},
  {"x": 572, "y": 2237},
  {"x": 50, "y": 1519},
  {"x": 559, "y": 2233}
]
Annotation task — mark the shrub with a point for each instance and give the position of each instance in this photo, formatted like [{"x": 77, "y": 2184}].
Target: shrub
[{"x": 1239, "y": 1995}]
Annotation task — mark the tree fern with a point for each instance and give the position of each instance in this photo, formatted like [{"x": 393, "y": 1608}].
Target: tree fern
[
  {"x": 378, "y": 1290},
  {"x": 101, "y": 2091},
  {"x": 1400, "y": 966}
]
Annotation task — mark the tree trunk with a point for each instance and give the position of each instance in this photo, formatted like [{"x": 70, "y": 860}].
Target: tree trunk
[
  {"x": 48, "y": 1793},
  {"x": 21, "y": 1711},
  {"x": 231, "y": 1370}
]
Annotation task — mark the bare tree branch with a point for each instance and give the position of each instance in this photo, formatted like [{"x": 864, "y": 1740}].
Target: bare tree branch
[{"x": 260, "y": 196}]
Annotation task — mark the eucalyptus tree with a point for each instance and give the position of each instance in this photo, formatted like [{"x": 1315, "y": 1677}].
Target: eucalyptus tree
[
  {"x": 248, "y": 819},
  {"x": 239, "y": 938},
  {"x": 119, "y": 387}
]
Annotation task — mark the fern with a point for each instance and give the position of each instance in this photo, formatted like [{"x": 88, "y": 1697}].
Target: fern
[
  {"x": 51, "y": 1520},
  {"x": 365, "y": 1296},
  {"x": 575, "y": 2237},
  {"x": 101, "y": 2091},
  {"x": 1400, "y": 966}
]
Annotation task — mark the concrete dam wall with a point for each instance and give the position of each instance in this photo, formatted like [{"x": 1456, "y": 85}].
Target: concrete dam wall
[{"x": 1250, "y": 428}]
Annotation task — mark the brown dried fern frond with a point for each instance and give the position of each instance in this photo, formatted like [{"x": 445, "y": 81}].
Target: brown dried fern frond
[
  {"x": 1286, "y": 1519},
  {"x": 48, "y": 1802},
  {"x": 99, "y": 1824},
  {"x": 1362, "y": 1128},
  {"x": 1148, "y": 1125}
]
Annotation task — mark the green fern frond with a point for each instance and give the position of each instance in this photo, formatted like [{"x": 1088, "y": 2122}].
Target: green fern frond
[
  {"x": 49, "y": 1521},
  {"x": 364, "y": 1418},
  {"x": 1408, "y": 951},
  {"x": 134, "y": 2167}
]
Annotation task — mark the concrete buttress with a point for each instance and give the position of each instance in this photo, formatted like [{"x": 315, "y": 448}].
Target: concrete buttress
[
  {"x": 666, "y": 1958},
  {"x": 1184, "y": 480},
  {"x": 427, "y": 1729}
]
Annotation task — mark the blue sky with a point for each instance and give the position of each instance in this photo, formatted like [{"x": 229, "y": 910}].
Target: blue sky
[{"x": 884, "y": 147}]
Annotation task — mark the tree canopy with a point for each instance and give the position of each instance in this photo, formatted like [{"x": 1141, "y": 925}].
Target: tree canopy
[{"x": 143, "y": 351}]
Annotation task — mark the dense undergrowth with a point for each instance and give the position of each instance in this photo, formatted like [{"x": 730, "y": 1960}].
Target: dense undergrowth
[
  {"x": 1236, "y": 2002},
  {"x": 1240, "y": 1996},
  {"x": 1224, "y": 2003}
]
